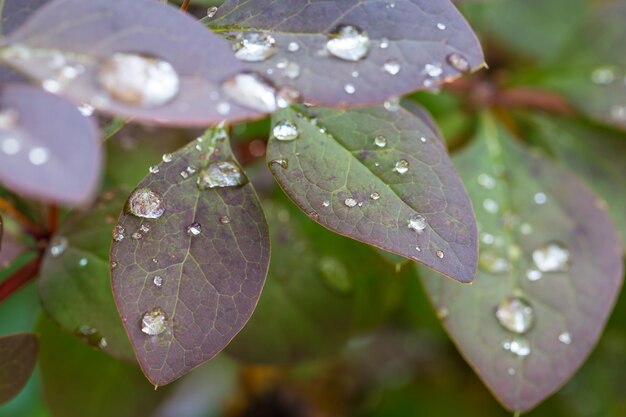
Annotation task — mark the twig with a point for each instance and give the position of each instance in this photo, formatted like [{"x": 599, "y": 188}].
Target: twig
[
  {"x": 31, "y": 227},
  {"x": 19, "y": 278},
  {"x": 185, "y": 5}
]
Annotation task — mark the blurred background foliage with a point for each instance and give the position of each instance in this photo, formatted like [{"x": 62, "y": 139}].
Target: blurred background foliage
[{"x": 343, "y": 329}]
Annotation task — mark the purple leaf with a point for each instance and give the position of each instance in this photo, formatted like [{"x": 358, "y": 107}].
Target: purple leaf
[
  {"x": 351, "y": 51},
  {"x": 48, "y": 149},
  {"x": 189, "y": 258},
  {"x": 378, "y": 176},
  {"x": 10, "y": 246},
  {"x": 15, "y": 12},
  {"x": 18, "y": 354},
  {"x": 550, "y": 269},
  {"x": 133, "y": 58}
]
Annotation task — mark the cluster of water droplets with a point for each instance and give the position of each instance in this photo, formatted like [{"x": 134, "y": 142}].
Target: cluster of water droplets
[
  {"x": 13, "y": 143},
  {"x": 609, "y": 76}
]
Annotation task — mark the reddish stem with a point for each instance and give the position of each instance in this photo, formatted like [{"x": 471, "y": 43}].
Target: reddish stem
[
  {"x": 31, "y": 227},
  {"x": 53, "y": 218},
  {"x": 19, "y": 278},
  {"x": 185, "y": 5}
]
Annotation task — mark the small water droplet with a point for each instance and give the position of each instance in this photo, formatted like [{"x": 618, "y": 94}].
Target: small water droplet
[
  {"x": 167, "y": 157},
  {"x": 349, "y": 43},
  {"x": 285, "y": 131},
  {"x": 433, "y": 70},
  {"x": 540, "y": 198},
  {"x": 534, "y": 275},
  {"x": 392, "y": 104},
  {"x": 58, "y": 246},
  {"x": 86, "y": 109},
  {"x": 38, "y": 156},
  {"x": 11, "y": 145},
  {"x": 221, "y": 174},
  {"x": 211, "y": 11},
  {"x": 441, "y": 26},
  {"x": 83, "y": 262},
  {"x": 154, "y": 322},
  {"x": 223, "y": 108},
  {"x": 184, "y": 174},
  {"x": 552, "y": 257},
  {"x": 154, "y": 169},
  {"x": 380, "y": 141},
  {"x": 487, "y": 181},
  {"x": 102, "y": 343},
  {"x": 443, "y": 313},
  {"x": 253, "y": 91},
  {"x": 487, "y": 238},
  {"x": 349, "y": 88},
  {"x": 350, "y": 202},
  {"x": 603, "y": 75},
  {"x": 139, "y": 80},
  {"x": 283, "y": 163},
  {"x": 491, "y": 205},
  {"x": 225, "y": 220},
  {"x": 439, "y": 253},
  {"x": 417, "y": 223},
  {"x": 146, "y": 203},
  {"x": 194, "y": 229},
  {"x": 511, "y": 371},
  {"x": 158, "y": 280},
  {"x": 136, "y": 236},
  {"x": 392, "y": 67},
  {"x": 354, "y": 74},
  {"x": 255, "y": 47},
  {"x": 565, "y": 338},
  {"x": 326, "y": 203},
  {"x": 402, "y": 167},
  {"x": 293, "y": 47},
  {"x": 458, "y": 62},
  {"x": 374, "y": 196},
  {"x": 515, "y": 315},
  {"x": 118, "y": 233},
  {"x": 518, "y": 346},
  {"x": 113, "y": 264}
]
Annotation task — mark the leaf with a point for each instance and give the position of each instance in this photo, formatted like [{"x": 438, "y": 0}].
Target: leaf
[
  {"x": 74, "y": 282},
  {"x": 411, "y": 46},
  {"x": 550, "y": 267},
  {"x": 10, "y": 246},
  {"x": 321, "y": 290},
  {"x": 79, "y": 381},
  {"x": 197, "y": 284},
  {"x": 18, "y": 354},
  {"x": 95, "y": 51},
  {"x": 15, "y": 12},
  {"x": 49, "y": 150},
  {"x": 335, "y": 172}
]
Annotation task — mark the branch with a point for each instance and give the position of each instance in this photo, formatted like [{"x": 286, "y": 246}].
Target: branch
[
  {"x": 19, "y": 278},
  {"x": 31, "y": 227}
]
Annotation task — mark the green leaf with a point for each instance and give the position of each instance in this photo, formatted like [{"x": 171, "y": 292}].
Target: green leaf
[
  {"x": 550, "y": 269},
  {"x": 381, "y": 177},
  {"x": 79, "y": 381},
  {"x": 18, "y": 354},
  {"x": 190, "y": 258},
  {"x": 75, "y": 283}
]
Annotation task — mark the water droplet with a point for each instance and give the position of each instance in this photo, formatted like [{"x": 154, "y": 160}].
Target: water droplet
[
  {"x": 417, "y": 223},
  {"x": 167, "y": 157},
  {"x": 223, "y": 108},
  {"x": 58, "y": 246},
  {"x": 283, "y": 163},
  {"x": 38, "y": 156},
  {"x": 402, "y": 167},
  {"x": 83, "y": 262},
  {"x": 118, "y": 233},
  {"x": 534, "y": 275},
  {"x": 433, "y": 70},
  {"x": 11, "y": 145},
  {"x": 139, "y": 80},
  {"x": 384, "y": 43},
  {"x": 443, "y": 313},
  {"x": 251, "y": 90},
  {"x": 392, "y": 104},
  {"x": 518, "y": 346},
  {"x": 349, "y": 43},
  {"x": 511, "y": 371},
  {"x": 380, "y": 141},
  {"x": 154, "y": 169},
  {"x": 491, "y": 205},
  {"x": 326, "y": 203},
  {"x": 349, "y": 88},
  {"x": 487, "y": 181},
  {"x": 225, "y": 220},
  {"x": 285, "y": 131},
  {"x": 525, "y": 228},
  {"x": 374, "y": 196},
  {"x": 293, "y": 47},
  {"x": 354, "y": 74},
  {"x": 221, "y": 174},
  {"x": 487, "y": 238},
  {"x": 194, "y": 229},
  {"x": 146, "y": 203},
  {"x": 552, "y": 257},
  {"x": 154, "y": 322},
  {"x": 136, "y": 236},
  {"x": 350, "y": 202},
  {"x": 184, "y": 174},
  {"x": 292, "y": 70},
  {"x": 603, "y": 76},
  {"x": 158, "y": 280},
  {"x": 439, "y": 253},
  {"x": 515, "y": 315},
  {"x": 86, "y": 109},
  {"x": 441, "y": 26},
  {"x": 113, "y": 264},
  {"x": 211, "y": 11},
  {"x": 458, "y": 62},
  {"x": 392, "y": 67},
  {"x": 102, "y": 343},
  {"x": 565, "y": 338},
  {"x": 255, "y": 47},
  {"x": 540, "y": 198}
]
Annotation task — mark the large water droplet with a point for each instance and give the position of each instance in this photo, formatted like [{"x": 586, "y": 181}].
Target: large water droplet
[
  {"x": 518, "y": 346},
  {"x": 515, "y": 315},
  {"x": 350, "y": 202},
  {"x": 251, "y": 90},
  {"x": 139, "y": 80},
  {"x": 417, "y": 223},
  {"x": 154, "y": 322},
  {"x": 255, "y": 47},
  {"x": 146, "y": 203},
  {"x": 58, "y": 246},
  {"x": 380, "y": 141},
  {"x": 458, "y": 62},
  {"x": 194, "y": 229},
  {"x": 349, "y": 43},
  {"x": 552, "y": 257},
  {"x": 402, "y": 167},
  {"x": 285, "y": 131},
  {"x": 221, "y": 174}
]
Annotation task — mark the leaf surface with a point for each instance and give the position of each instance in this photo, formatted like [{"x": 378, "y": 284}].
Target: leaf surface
[
  {"x": 336, "y": 173},
  {"x": 15, "y": 12},
  {"x": 18, "y": 354},
  {"x": 209, "y": 282},
  {"x": 524, "y": 202},
  {"x": 410, "y": 42}
]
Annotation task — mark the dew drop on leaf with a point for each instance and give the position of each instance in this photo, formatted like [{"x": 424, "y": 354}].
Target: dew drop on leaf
[
  {"x": 139, "y": 80},
  {"x": 565, "y": 338},
  {"x": 255, "y": 47},
  {"x": 146, "y": 203},
  {"x": 10, "y": 145},
  {"x": 118, "y": 233},
  {"x": 225, "y": 220},
  {"x": 158, "y": 280},
  {"x": 293, "y": 47},
  {"x": 154, "y": 169},
  {"x": 58, "y": 246},
  {"x": 518, "y": 346},
  {"x": 38, "y": 156},
  {"x": 167, "y": 157},
  {"x": 349, "y": 88},
  {"x": 540, "y": 198},
  {"x": 433, "y": 70},
  {"x": 83, "y": 262},
  {"x": 285, "y": 131},
  {"x": 402, "y": 167},
  {"x": 211, "y": 11},
  {"x": 534, "y": 275},
  {"x": 350, "y": 202},
  {"x": 603, "y": 75},
  {"x": 439, "y": 253},
  {"x": 349, "y": 43},
  {"x": 374, "y": 196},
  {"x": 458, "y": 62},
  {"x": 392, "y": 104},
  {"x": 283, "y": 163},
  {"x": 194, "y": 229},
  {"x": 221, "y": 174},
  {"x": 154, "y": 322},
  {"x": 417, "y": 223},
  {"x": 380, "y": 141},
  {"x": 552, "y": 257},
  {"x": 251, "y": 90},
  {"x": 392, "y": 67},
  {"x": 515, "y": 315}
]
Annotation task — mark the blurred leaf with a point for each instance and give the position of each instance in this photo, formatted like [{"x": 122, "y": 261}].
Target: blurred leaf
[
  {"x": 18, "y": 354},
  {"x": 15, "y": 12},
  {"x": 321, "y": 289},
  {"x": 79, "y": 381},
  {"x": 109, "y": 40},
  {"x": 407, "y": 46},
  {"x": 10, "y": 246},
  {"x": 189, "y": 271},
  {"x": 75, "y": 285},
  {"x": 401, "y": 195},
  {"x": 51, "y": 151},
  {"x": 550, "y": 269}
]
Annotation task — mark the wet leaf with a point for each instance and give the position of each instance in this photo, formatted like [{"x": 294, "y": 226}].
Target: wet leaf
[
  {"x": 15, "y": 12},
  {"x": 102, "y": 59},
  {"x": 184, "y": 290},
  {"x": 48, "y": 149},
  {"x": 79, "y": 381},
  {"x": 18, "y": 354},
  {"x": 406, "y": 45},
  {"x": 313, "y": 267},
  {"x": 75, "y": 283},
  {"x": 550, "y": 269},
  {"x": 10, "y": 246},
  {"x": 381, "y": 177}
]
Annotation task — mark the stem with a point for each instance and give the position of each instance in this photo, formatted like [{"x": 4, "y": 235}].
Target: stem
[
  {"x": 185, "y": 5},
  {"x": 29, "y": 225},
  {"x": 53, "y": 218},
  {"x": 19, "y": 278}
]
